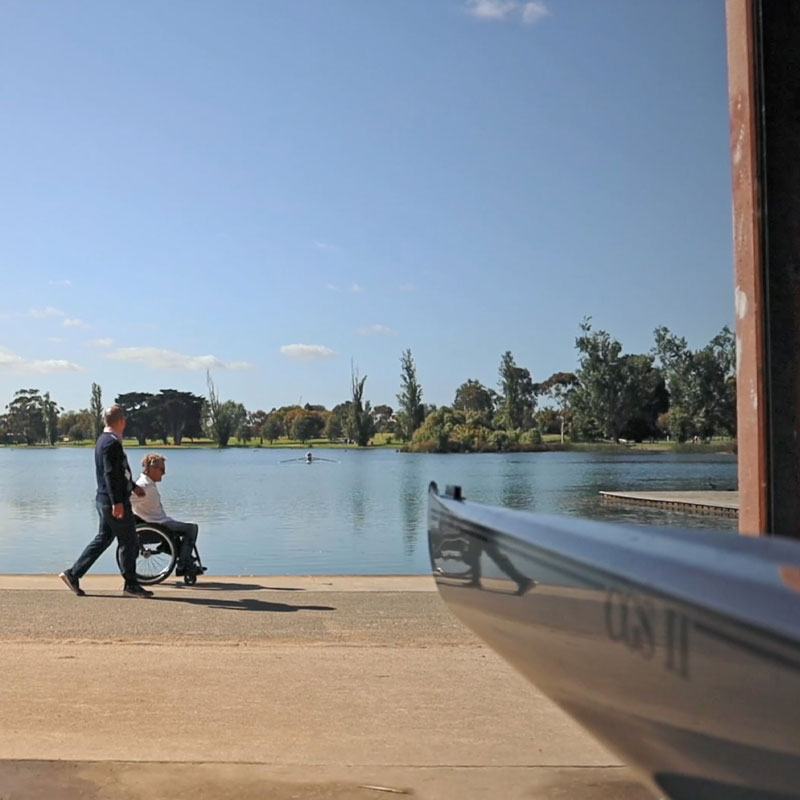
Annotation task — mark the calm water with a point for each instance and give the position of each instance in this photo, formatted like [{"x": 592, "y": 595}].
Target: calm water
[{"x": 365, "y": 514}]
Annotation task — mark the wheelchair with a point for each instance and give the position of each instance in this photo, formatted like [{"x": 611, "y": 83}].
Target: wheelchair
[{"x": 157, "y": 555}]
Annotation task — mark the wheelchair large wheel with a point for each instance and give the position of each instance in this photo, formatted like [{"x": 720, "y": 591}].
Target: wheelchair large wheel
[{"x": 156, "y": 555}]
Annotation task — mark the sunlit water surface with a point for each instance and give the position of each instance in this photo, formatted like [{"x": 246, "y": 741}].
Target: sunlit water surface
[{"x": 364, "y": 514}]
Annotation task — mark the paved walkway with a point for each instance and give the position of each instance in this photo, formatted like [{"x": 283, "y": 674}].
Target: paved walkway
[{"x": 284, "y": 687}]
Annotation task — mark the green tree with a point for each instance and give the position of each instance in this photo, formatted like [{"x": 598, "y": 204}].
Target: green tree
[
  {"x": 273, "y": 427},
  {"x": 383, "y": 419},
  {"x": 599, "y": 396},
  {"x": 244, "y": 432},
  {"x": 25, "y": 418},
  {"x": 359, "y": 425},
  {"x": 411, "y": 412},
  {"x": 548, "y": 420},
  {"x": 443, "y": 430},
  {"x": 645, "y": 397},
  {"x": 309, "y": 425},
  {"x": 474, "y": 397},
  {"x": 517, "y": 397},
  {"x": 701, "y": 384},
  {"x": 140, "y": 415},
  {"x": 337, "y": 421},
  {"x": 258, "y": 420},
  {"x": 96, "y": 410},
  {"x": 614, "y": 392},
  {"x": 560, "y": 387},
  {"x": 77, "y": 426},
  {"x": 224, "y": 419},
  {"x": 50, "y": 413},
  {"x": 178, "y": 413}
]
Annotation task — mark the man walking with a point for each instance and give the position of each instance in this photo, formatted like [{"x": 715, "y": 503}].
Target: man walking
[{"x": 114, "y": 487}]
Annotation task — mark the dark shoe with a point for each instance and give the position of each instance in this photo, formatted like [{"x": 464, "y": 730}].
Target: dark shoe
[
  {"x": 192, "y": 569},
  {"x": 73, "y": 583},
  {"x": 525, "y": 586},
  {"x": 136, "y": 590}
]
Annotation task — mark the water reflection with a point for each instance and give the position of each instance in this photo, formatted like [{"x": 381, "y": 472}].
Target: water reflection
[
  {"x": 365, "y": 514},
  {"x": 412, "y": 503},
  {"x": 518, "y": 480},
  {"x": 359, "y": 494}
]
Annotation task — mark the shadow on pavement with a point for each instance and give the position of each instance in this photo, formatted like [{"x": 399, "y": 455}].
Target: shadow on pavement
[
  {"x": 233, "y": 587},
  {"x": 245, "y": 604}
]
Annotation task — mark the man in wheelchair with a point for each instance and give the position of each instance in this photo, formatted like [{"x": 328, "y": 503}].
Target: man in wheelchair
[{"x": 148, "y": 507}]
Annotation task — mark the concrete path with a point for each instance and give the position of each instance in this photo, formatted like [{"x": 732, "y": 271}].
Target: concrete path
[{"x": 285, "y": 687}]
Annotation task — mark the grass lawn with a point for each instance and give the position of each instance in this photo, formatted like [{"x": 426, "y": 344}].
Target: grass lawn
[
  {"x": 718, "y": 445},
  {"x": 385, "y": 440}
]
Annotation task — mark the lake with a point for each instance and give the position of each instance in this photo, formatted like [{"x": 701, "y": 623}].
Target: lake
[{"x": 364, "y": 514}]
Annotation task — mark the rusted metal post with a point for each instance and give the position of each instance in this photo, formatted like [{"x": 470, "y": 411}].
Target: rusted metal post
[
  {"x": 750, "y": 377},
  {"x": 764, "y": 91}
]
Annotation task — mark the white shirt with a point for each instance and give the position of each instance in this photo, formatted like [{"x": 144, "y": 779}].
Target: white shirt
[{"x": 149, "y": 507}]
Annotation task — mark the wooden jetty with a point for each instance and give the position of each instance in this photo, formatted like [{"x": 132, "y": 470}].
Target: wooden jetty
[{"x": 724, "y": 504}]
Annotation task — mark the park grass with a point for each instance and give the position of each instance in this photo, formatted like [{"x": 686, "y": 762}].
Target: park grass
[
  {"x": 550, "y": 442},
  {"x": 715, "y": 446}
]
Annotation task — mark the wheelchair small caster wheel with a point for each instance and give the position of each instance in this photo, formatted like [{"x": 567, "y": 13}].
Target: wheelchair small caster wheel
[{"x": 190, "y": 580}]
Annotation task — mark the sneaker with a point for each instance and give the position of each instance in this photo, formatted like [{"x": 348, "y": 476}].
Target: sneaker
[
  {"x": 525, "y": 586},
  {"x": 136, "y": 590},
  {"x": 73, "y": 583}
]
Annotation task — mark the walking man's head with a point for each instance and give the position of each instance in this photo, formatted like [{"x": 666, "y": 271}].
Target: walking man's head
[
  {"x": 154, "y": 465},
  {"x": 114, "y": 418}
]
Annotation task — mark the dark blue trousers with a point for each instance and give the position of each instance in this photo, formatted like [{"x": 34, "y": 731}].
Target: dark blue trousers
[{"x": 123, "y": 530}]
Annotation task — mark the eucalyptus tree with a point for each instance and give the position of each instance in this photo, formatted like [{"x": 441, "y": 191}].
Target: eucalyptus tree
[
  {"x": 258, "y": 420},
  {"x": 517, "y": 396},
  {"x": 598, "y": 396},
  {"x": 76, "y": 425},
  {"x": 273, "y": 427},
  {"x": 613, "y": 390},
  {"x": 308, "y": 425},
  {"x": 25, "y": 420},
  {"x": 560, "y": 387},
  {"x": 384, "y": 422},
  {"x": 336, "y": 424},
  {"x": 50, "y": 413},
  {"x": 472, "y": 396},
  {"x": 701, "y": 383}
]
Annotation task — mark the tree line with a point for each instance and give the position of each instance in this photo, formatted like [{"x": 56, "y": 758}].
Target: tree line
[{"x": 671, "y": 392}]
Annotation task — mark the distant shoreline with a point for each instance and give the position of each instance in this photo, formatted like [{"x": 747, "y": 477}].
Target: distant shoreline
[{"x": 718, "y": 448}]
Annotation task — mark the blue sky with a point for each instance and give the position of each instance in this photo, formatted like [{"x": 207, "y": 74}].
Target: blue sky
[{"x": 275, "y": 187}]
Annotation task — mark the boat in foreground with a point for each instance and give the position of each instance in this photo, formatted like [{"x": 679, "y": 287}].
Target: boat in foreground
[{"x": 679, "y": 650}]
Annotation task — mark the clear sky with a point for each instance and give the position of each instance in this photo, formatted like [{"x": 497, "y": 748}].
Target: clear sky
[{"x": 275, "y": 187}]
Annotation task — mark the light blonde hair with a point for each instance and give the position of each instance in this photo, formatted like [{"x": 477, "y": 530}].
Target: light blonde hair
[{"x": 153, "y": 460}]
